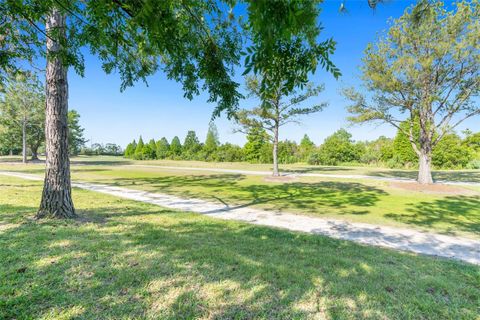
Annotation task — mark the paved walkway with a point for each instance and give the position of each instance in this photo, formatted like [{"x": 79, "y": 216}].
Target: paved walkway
[
  {"x": 299, "y": 174},
  {"x": 383, "y": 236}
]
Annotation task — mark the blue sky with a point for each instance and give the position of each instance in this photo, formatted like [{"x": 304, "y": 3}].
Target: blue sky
[{"x": 158, "y": 110}]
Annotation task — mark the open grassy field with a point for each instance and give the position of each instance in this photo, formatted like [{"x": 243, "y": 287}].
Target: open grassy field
[
  {"x": 450, "y": 175},
  {"x": 125, "y": 260},
  {"x": 360, "y": 200}
]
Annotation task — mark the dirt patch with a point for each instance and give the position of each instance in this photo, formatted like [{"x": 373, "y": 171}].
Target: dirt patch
[
  {"x": 286, "y": 178},
  {"x": 437, "y": 188}
]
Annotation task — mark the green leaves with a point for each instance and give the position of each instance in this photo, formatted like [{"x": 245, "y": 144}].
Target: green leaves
[
  {"x": 425, "y": 70},
  {"x": 192, "y": 41},
  {"x": 284, "y": 49}
]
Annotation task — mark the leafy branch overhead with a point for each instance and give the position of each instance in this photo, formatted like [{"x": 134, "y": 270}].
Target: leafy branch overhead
[
  {"x": 197, "y": 48},
  {"x": 284, "y": 49}
]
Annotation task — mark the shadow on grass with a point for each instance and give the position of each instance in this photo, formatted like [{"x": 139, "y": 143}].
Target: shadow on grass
[
  {"x": 146, "y": 262},
  {"x": 78, "y": 162},
  {"x": 345, "y": 197},
  {"x": 315, "y": 169},
  {"x": 460, "y": 211}
]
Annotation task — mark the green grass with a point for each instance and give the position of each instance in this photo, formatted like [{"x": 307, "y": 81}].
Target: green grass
[
  {"x": 451, "y": 175},
  {"x": 364, "y": 200},
  {"x": 358, "y": 201},
  {"x": 128, "y": 260}
]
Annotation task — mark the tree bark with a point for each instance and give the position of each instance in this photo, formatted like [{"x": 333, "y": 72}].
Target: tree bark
[
  {"x": 24, "y": 141},
  {"x": 57, "y": 193},
  {"x": 424, "y": 170},
  {"x": 275, "y": 151}
]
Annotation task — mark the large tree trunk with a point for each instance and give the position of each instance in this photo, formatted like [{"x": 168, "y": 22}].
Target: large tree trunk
[
  {"x": 424, "y": 170},
  {"x": 57, "y": 193},
  {"x": 24, "y": 141},
  {"x": 275, "y": 152}
]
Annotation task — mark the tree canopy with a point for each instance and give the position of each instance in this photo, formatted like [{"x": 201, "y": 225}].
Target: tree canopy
[
  {"x": 425, "y": 72},
  {"x": 194, "y": 42}
]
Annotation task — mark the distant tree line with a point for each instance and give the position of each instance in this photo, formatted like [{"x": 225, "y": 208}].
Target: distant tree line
[
  {"x": 107, "y": 149},
  {"x": 453, "y": 152}
]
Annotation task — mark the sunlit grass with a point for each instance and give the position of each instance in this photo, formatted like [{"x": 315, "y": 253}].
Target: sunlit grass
[
  {"x": 356, "y": 200},
  {"x": 125, "y": 260}
]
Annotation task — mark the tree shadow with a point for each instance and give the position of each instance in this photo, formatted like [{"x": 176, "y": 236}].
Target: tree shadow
[
  {"x": 77, "y": 162},
  {"x": 315, "y": 198},
  {"x": 460, "y": 212},
  {"x": 315, "y": 169},
  {"x": 183, "y": 266}
]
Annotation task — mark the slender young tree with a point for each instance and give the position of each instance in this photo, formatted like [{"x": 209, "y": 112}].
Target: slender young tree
[
  {"x": 211, "y": 141},
  {"x": 139, "y": 149},
  {"x": 194, "y": 42},
  {"x": 281, "y": 110},
  {"x": 163, "y": 148},
  {"x": 285, "y": 51},
  {"x": 175, "y": 147},
  {"x": 425, "y": 72},
  {"x": 22, "y": 107}
]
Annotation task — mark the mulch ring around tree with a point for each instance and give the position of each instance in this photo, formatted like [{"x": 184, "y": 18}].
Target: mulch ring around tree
[{"x": 436, "y": 188}]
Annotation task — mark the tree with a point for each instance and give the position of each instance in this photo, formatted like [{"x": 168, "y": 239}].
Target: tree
[
  {"x": 139, "y": 149},
  {"x": 472, "y": 140},
  {"x": 378, "y": 151},
  {"x": 257, "y": 142},
  {"x": 402, "y": 147},
  {"x": 97, "y": 149},
  {"x": 211, "y": 142},
  {"x": 175, "y": 147},
  {"x": 75, "y": 133},
  {"x": 149, "y": 151},
  {"x": 130, "y": 149},
  {"x": 189, "y": 41},
  {"x": 287, "y": 152},
  {"x": 191, "y": 145},
  {"x": 36, "y": 133},
  {"x": 450, "y": 153},
  {"x": 229, "y": 153},
  {"x": 163, "y": 148},
  {"x": 112, "y": 149},
  {"x": 282, "y": 57},
  {"x": 337, "y": 148},
  {"x": 21, "y": 108},
  {"x": 279, "y": 111},
  {"x": 306, "y": 147},
  {"x": 8, "y": 139},
  {"x": 426, "y": 72}
]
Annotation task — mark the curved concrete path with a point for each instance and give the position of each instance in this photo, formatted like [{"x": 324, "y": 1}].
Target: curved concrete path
[
  {"x": 299, "y": 174},
  {"x": 383, "y": 236}
]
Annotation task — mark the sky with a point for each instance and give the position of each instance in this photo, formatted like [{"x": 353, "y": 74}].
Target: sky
[{"x": 160, "y": 110}]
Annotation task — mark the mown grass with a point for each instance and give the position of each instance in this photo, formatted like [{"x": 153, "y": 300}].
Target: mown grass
[
  {"x": 450, "y": 175},
  {"x": 358, "y": 200},
  {"x": 128, "y": 260}
]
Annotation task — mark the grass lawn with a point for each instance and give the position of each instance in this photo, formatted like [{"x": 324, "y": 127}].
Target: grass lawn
[
  {"x": 364, "y": 200},
  {"x": 127, "y": 260},
  {"x": 451, "y": 175}
]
